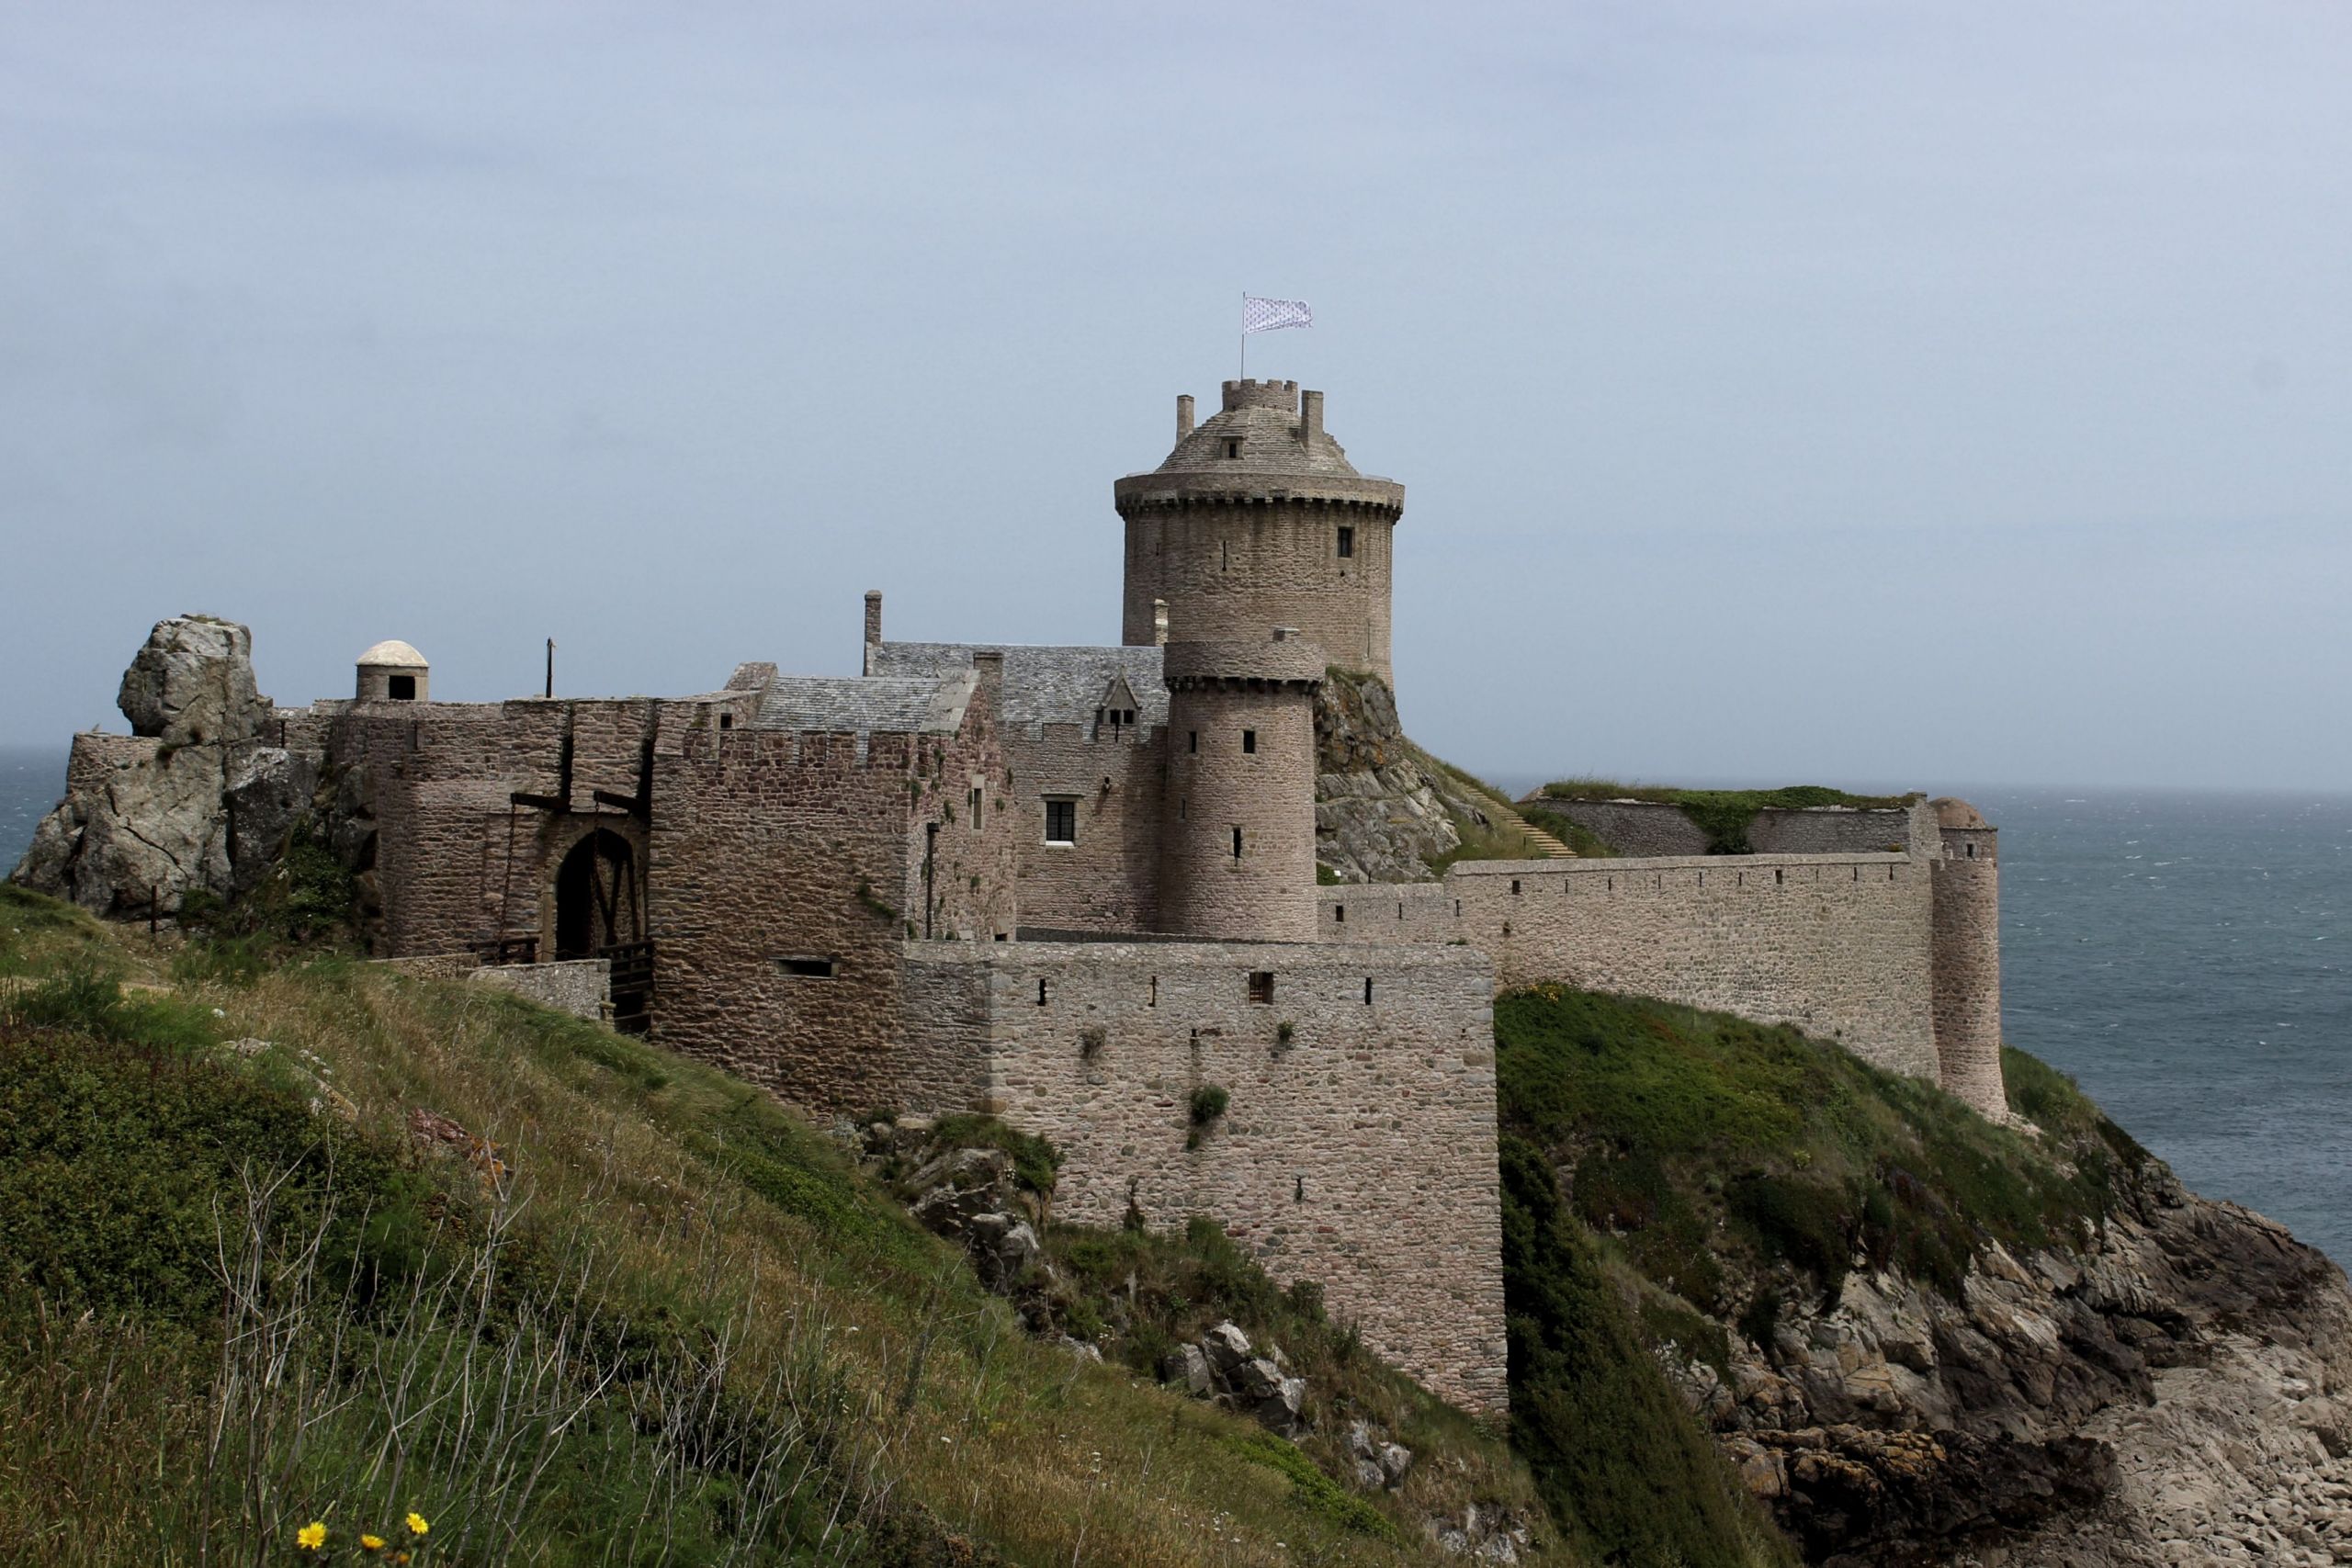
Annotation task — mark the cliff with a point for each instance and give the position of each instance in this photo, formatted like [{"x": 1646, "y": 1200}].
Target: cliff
[
  {"x": 1922, "y": 1338},
  {"x": 1384, "y": 809}
]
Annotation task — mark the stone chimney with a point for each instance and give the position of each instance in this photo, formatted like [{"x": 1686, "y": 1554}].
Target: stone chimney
[
  {"x": 872, "y": 616},
  {"x": 1310, "y": 416},
  {"x": 1184, "y": 415}
]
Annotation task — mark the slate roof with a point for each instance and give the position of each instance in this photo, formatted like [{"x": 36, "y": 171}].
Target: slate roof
[
  {"x": 861, "y": 705},
  {"x": 1042, "y": 686}
]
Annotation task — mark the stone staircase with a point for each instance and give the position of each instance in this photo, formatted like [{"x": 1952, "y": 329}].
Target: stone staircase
[{"x": 1541, "y": 845}]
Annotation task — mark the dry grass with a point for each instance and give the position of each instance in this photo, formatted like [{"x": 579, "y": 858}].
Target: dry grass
[{"x": 907, "y": 1417}]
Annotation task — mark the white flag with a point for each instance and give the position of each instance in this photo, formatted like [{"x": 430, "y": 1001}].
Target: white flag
[{"x": 1272, "y": 315}]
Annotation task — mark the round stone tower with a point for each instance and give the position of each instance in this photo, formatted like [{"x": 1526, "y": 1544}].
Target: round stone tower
[
  {"x": 1966, "y": 956},
  {"x": 393, "y": 671},
  {"x": 1256, "y": 519},
  {"x": 1237, "y": 834}
]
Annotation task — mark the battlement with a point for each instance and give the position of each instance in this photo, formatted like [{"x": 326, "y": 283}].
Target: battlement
[{"x": 1282, "y": 396}]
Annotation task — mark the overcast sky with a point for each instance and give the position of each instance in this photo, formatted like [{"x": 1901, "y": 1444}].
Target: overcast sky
[{"x": 1871, "y": 393}]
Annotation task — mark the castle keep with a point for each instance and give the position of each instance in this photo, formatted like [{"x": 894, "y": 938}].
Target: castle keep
[{"x": 1069, "y": 886}]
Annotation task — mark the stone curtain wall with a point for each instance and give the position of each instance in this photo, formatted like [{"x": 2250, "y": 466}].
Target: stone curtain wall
[
  {"x": 1652, "y": 828},
  {"x": 437, "y": 779},
  {"x": 1839, "y": 946},
  {"x": 1968, "y": 968},
  {"x": 1359, "y": 1154},
  {"x": 1234, "y": 570},
  {"x": 771, "y": 845},
  {"x": 1108, "y": 881},
  {"x": 973, "y": 867}
]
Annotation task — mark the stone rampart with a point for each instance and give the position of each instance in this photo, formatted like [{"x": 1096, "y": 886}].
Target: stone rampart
[
  {"x": 1357, "y": 1146},
  {"x": 1839, "y": 946},
  {"x": 1649, "y": 829}
]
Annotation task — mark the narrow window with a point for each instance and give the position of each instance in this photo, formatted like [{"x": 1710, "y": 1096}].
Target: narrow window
[
  {"x": 1262, "y": 986},
  {"x": 1236, "y": 843},
  {"x": 1232, "y": 448},
  {"x": 1338, "y": 914},
  {"x": 1155, "y": 992},
  {"x": 1514, "y": 885},
  {"x": 401, "y": 688},
  {"x": 1347, "y": 541},
  {"x": 1041, "y": 990},
  {"x": 1779, "y": 877},
  {"x": 1249, "y": 740},
  {"x": 1191, "y": 740},
  {"x": 1131, "y": 716},
  {"x": 1457, "y": 908},
  {"x": 1972, "y": 851},
  {"x": 727, "y": 721},
  {"x": 1367, "y": 990},
  {"x": 1183, "y": 808},
  {"x": 806, "y": 968},
  {"x": 1061, "y": 821},
  {"x": 1223, "y": 555},
  {"x": 976, "y": 808}
]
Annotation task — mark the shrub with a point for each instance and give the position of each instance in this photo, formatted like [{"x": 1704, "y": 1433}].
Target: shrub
[{"x": 1208, "y": 1103}]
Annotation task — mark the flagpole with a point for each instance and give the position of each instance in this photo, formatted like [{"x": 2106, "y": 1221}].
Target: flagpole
[{"x": 1245, "y": 334}]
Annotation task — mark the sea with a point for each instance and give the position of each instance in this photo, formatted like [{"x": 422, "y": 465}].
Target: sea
[{"x": 2185, "y": 956}]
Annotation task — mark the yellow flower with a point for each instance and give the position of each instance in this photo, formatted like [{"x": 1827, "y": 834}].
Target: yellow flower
[
  {"x": 312, "y": 1536},
  {"x": 371, "y": 1543},
  {"x": 417, "y": 1525}
]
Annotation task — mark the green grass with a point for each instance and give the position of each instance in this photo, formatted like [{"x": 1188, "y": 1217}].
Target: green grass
[
  {"x": 1609, "y": 1441},
  {"x": 1723, "y": 814},
  {"x": 1697, "y": 1141},
  {"x": 639, "y": 1313}
]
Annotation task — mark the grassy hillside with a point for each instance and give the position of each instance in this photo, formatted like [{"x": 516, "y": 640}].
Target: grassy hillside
[{"x": 564, "y": 1295}]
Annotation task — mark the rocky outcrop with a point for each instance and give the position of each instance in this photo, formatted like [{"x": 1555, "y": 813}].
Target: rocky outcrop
[
  {"x": 192, "y": 685},
  {"x": 1221, "y": 1366},
  {"x": 1383, "y": 811},
  {"x": 194, "y": 801},
  {"x": 2175, "y": 1392}
]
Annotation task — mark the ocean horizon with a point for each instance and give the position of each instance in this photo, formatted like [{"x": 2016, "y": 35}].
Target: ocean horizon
[{"x": 2185, "y": 956}]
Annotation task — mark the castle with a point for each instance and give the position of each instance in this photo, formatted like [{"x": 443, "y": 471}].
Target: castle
[{"x": 1072, "y": 886}]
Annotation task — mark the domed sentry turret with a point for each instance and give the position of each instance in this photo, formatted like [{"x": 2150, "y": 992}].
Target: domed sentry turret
[
  {"x": 1237, "y": 838},
  {"x": 393, "y": 671},
  {"x": 1256, "y": 519},
  {"x": 1966, "y": 948}
]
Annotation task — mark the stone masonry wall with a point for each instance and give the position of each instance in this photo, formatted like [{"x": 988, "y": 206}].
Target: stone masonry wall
[
  {"x": 1236, "y": 570},
  {"x": 1653, "y": 828},
  {"x": 1839, "y": 946},
  {"x": 437, "y": 778},
  {"x": 1968, "y": 968},
  {"x": 578, "y": 986},
  {"x": 1216, "y": 789},
  {"x": 1108, "y": 880},
  {"x": 777, "y": 852},
  {"x": 1359, "y": 1153}
]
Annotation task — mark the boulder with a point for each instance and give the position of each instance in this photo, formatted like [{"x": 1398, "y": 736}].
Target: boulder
[
  {"x": 1227, "y": 1349},
  {"x": 265, "y": 790},
  {"x": 192, "y": 685},
  {"x": 1188, "y": 1369}
]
